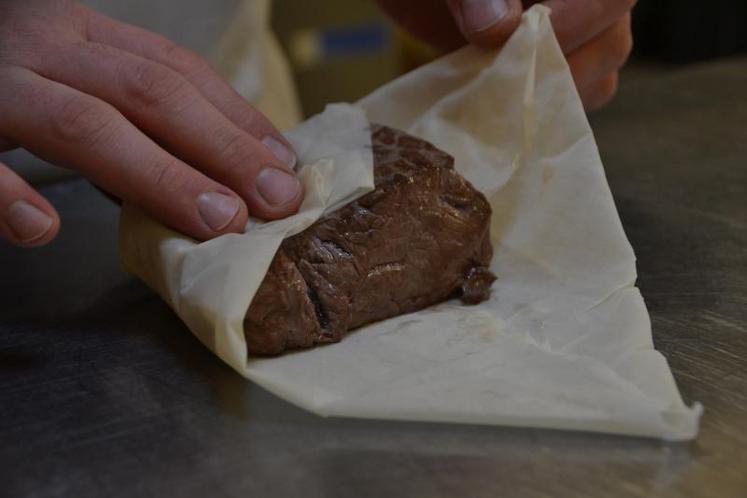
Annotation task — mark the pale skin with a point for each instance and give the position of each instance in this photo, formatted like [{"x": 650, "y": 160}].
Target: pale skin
[{"x": 153, "y": 124}]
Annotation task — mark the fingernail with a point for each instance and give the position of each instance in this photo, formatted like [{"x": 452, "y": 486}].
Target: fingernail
[
  {"x": 277, "y": 187},
  {"x": 279, "y": 150},
  {"x": 479, "y": 15},
  {"x": 27, "y": 221},
  {"x": 217, "y": 210}
]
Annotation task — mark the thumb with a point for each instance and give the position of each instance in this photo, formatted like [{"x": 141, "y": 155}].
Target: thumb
[
  {"x": 26, "y": 218},
  {"x": 486, "y": 23}
]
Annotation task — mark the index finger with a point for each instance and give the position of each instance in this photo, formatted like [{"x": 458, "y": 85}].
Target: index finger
[
  {"x": 68, "y": 127},
  {"x": 178, "y": 117}
]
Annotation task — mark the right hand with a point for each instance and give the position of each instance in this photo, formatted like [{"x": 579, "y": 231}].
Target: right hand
[
  {"x": 595, "y": 35},
  {"x": 140, "y": 117}
]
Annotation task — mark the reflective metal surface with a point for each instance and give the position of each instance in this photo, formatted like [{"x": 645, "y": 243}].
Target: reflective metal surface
[{"x": 104, "y": 393}]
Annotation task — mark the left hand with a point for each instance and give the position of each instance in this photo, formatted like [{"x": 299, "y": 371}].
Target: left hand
[{"x": 595, "y": 35}]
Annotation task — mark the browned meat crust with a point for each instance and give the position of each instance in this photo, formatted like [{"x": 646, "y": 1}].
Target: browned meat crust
[{"x": 421, "y": 237}]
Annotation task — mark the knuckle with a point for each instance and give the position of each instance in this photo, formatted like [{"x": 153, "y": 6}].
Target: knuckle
[
  {"x": 164, "y": 173},
  {"x": 605, "y": 96},
  {"x": 236, "y": 151},
  {"x": 151, "y": 84},
  {"x": 623, "y": 47},
  {"x": 600, "y": 93},
  {"x": 250, "y": 119},
  {"x": 608, "y": 89},
  {"x": 183, "y": 60},
  {"x": 188, "y": 62},
  {"x": 628, "y": 44},
  {"x": 82, "y": 120}
]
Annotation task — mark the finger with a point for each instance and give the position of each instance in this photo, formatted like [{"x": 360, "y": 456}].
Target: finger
[
  {"x": 196, "y": 70},
  {"x": 164, "y": 104},
  {"x": 116, "y": 200},
  {"x": 26, "y": 218},
  {"x": 604, "y": 54},
  {"x": 575, "y": 22},
  {"x": 70, "y": 128},
  {"x": 599, "y": 93},
  {"x": 486, "y": 23}
]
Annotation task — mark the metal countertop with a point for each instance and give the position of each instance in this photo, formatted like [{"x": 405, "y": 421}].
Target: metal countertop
[{"x": 104, "y": 393}]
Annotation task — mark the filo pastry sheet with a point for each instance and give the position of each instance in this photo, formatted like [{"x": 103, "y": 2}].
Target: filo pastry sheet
[{"x": 564, "y": 341}]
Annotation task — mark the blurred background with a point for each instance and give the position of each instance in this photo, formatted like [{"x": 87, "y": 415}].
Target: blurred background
[{"x": 340, "y": 50}]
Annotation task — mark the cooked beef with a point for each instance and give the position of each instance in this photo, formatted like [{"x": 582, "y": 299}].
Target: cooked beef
[{"x": 421, "y": 237}]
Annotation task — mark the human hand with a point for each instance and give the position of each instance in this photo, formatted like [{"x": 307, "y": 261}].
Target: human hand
[
  {"x": 142, "y": 118},
  {"x": 594, "y": 35}
]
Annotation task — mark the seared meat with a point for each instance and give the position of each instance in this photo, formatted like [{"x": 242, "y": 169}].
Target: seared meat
[{"x": 421, "y": 237}]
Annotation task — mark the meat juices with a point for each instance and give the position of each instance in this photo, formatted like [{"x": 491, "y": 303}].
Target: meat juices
[{"x": 421, "y": 237}]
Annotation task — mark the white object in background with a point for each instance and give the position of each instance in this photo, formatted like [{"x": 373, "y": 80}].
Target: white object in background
[{"x": 249, "y": 56}]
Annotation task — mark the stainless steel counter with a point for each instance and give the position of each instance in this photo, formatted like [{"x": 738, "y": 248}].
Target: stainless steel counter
[{"x": 104, "y": 393}]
